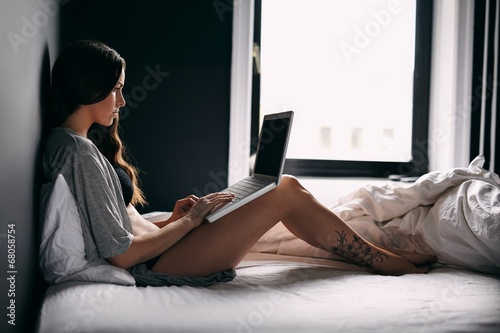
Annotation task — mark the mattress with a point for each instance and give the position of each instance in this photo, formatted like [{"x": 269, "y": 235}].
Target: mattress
[
  {"x": 285, "y": 285},
  {"x": 276, "y": 293}
]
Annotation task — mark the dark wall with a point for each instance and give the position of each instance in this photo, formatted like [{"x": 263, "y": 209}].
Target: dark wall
[
  {"x": 176, "y": 121},
  {"x": 28, "y": 30}
]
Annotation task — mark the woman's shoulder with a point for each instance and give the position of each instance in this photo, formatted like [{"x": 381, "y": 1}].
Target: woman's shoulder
[
  {"x": 62, "y": 138},
  {"x": 66, "y": 151},
  {"x": 62, "y": 144}
]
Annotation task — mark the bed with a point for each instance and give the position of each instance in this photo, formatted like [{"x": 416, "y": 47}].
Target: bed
[{"x": 283, "y": 285}]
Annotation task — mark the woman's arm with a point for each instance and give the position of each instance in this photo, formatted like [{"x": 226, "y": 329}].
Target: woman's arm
[
  {"x": 139, "y": 224},
  {"x": 149, "y": 245},
  {"x": 142, "y": 225},
  {"x": 150, "y": 241}
]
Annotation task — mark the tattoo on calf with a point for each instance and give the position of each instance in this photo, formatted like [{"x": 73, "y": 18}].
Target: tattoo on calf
[{"x": 357, "y": 251}]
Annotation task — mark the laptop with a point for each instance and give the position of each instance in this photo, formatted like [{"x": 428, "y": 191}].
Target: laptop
[{"x": 268, "y": 165}]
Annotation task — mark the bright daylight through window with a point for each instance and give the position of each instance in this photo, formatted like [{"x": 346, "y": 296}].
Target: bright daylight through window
[{"x": 346, "y": 69}]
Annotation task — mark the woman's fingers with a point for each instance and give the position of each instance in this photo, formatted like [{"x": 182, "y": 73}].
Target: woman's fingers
[
  {"x": 193, "y": 197},
  {"x": 190, "y": 199},
  {"x": 217, "y": 195},
  {"x": 214, "y": 199},
  {"x": 184, "y": 205},
  {"x": 206, "y": 204}
]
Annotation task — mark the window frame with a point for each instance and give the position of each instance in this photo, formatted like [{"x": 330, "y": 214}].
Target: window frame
[
  {"x": 482, "y": 139},
  {"x": 419, "y": 163}
]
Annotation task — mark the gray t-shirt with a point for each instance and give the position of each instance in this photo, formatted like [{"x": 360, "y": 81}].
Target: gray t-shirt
[{"x": 106, "y": 226}]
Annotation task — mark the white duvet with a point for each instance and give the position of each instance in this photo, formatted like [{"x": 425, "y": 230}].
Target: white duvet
[{"x": 453, "y": 214}]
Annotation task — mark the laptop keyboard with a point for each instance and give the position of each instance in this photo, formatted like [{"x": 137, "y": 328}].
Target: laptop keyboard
[{"x": 246, "y": 187}]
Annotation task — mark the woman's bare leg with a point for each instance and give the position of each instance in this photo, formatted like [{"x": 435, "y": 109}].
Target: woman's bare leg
[
  {"x": 291, "y": 245},
  {"x": 221, "y": 245}
]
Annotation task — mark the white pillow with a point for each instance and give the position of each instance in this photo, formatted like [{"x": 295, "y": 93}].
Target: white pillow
[{"x": 62, "y": 249}]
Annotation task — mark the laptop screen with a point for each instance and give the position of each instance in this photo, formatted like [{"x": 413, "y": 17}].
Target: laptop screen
[{"x": 272, "y": 146}]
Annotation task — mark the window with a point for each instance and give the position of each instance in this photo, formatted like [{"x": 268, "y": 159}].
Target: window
[{"x": 356, "y": 73}]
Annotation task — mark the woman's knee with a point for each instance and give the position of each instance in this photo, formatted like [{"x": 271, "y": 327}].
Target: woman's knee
[
  {"x": 289, "y": 180},
  {"x": 291, "y": 185}
]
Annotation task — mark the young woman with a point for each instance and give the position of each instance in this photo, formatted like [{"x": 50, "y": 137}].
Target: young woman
[{"x": 87, "y": 82}]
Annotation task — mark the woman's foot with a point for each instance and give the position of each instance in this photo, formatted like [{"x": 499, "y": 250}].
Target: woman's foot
[
  {"x": 416, "y": 258},
  {"x": 394, "y": 264}
]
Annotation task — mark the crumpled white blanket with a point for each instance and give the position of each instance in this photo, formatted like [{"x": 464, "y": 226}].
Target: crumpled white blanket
[{"x": 452, "y": 214}]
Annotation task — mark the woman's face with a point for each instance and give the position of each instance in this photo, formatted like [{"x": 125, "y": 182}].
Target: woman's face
[{"x": 105, "y": 111}]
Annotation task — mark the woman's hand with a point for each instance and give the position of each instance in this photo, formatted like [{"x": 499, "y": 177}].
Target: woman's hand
[
  {"x": 204, "y": 205},
  {"x": 182, "y": 207}
]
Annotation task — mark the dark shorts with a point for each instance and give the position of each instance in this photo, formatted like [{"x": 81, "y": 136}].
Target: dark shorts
[
  {"x": 145, "y": 277},
  {"x": 151, "y": 262}
]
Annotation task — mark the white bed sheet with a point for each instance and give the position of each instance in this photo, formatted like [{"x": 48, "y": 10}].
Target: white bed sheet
[
  {"x": 283, "y": 296},
  {"x": 452, "y": 214}
]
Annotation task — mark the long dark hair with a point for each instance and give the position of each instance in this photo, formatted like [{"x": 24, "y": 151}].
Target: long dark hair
[
  {"x": 84, "y": 73},
  {"x": 107, "y": 140}
]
